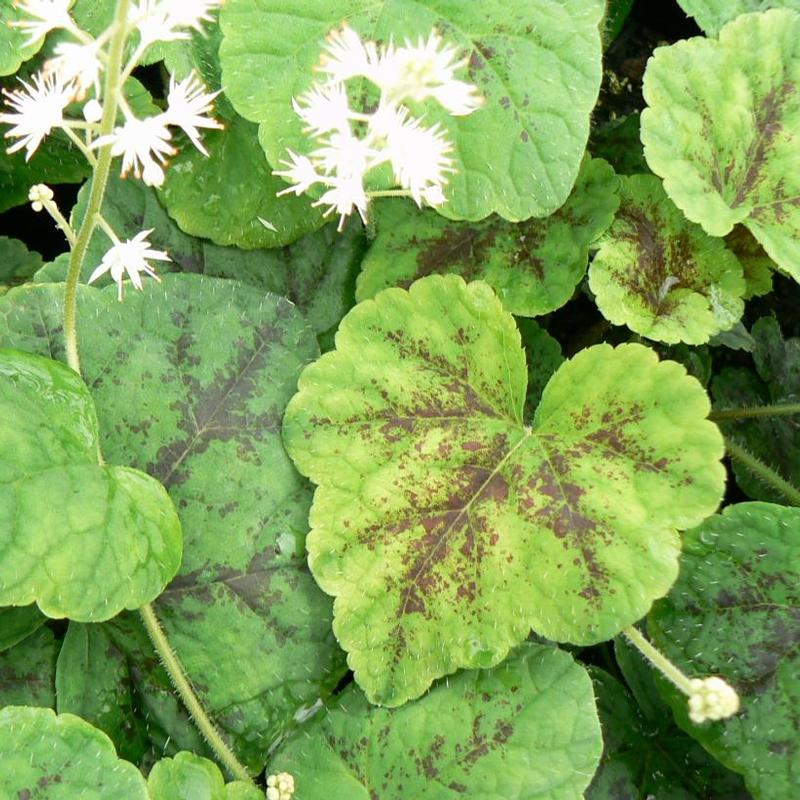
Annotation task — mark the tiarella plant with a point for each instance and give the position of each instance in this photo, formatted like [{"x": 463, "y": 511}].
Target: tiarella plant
[{"x": 321, "y": 511}]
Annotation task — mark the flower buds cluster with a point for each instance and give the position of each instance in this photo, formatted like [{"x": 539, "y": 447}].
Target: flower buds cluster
[
  {"x": 351, "y": 143},
  {"x": 711, "y": 699},
  {"x": 280, "y": 786}
]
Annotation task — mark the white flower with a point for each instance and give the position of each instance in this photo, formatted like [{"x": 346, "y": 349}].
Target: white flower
[
  {"x": 143, "y": 145},
  {"x": 39, "y": 194},
  {"x": 166, "y": 20},
  {"x": 346, "y": 55},
  {"x": 187, "y": 104},
  {"x": 47, "y": 15},
  {"x": 78, "y": 63},
  {"x": 130, "y": 257},
  {"x": 712, "y": 699},
  {"x": 38, "y": 109},
  {"x": 93, "y": 111},
  {"x": 345, "y": 155},
  {"x": 280, "y": 786},
  {"x": 324, "y": 108},
  {"x": 418, "y": 155},
  {"x": 345, "y": 194},
  {"x": 301, "y": 172},
  {"x": 424, "y": 70}
]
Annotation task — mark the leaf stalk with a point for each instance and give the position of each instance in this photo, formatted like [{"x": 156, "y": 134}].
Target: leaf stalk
[{"x": 184, "y": 688}]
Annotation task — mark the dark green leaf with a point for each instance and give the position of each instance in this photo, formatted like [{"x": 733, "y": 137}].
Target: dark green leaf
[{"x": 735, "y": 612}]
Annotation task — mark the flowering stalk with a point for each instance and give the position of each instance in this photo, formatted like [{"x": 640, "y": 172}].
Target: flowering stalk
[
  {"x": 37, "y": 110},
  {"x": 710, "y": 698},
  {"x": 99, "y": 182}
]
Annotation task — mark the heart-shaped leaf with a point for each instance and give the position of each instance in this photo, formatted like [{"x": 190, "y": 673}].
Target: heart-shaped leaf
[
  {"x": 537, "y": 63},
  {"x": 189, "y": 777},
  {"x": 14, "y": 47},
  {"x": 108, "y": 538},
  {"x": 446, "y": 528},
  {"x": 728, "y": 155},
  {"x": 18, "y": 622},
  {"x": 61, "y": 757},
  {"x": 16, "y": 262},
  {"x": 662, "y": 276},
  {"x": 224, "y": 195},
  {"x": 207, "y": 366},
  {"x": 534, "y": 267},
  {"x": 712, "y": 15},
  {"x": 525, "y": 729},
  {"x": 735, "y": 611}
]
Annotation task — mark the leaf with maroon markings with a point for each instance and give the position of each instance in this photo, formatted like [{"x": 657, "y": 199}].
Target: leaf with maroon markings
[
  {"x": 533, "y": 266},
  {"x": 728, "y": 149},
  {"x": 190, "y": 379},
  {"x": 446, "y": 527},
  {"x": 525, "y": 730},
  {"x": 662, "y": 276}
]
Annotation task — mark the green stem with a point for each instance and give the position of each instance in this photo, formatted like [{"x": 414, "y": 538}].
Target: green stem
[
  {"x": 187, "y": 694},
  {"x": 52, "y": 209},
  {"x": 755, "y": 411},
  {"x": 764, "y": 472},
  {"x": 99, "y": 182},
  {"x": 658, "y": 660}
]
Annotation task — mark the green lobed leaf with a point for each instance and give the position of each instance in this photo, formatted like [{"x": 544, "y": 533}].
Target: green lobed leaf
[
  {"x": 534, "y": 267},
  {"x": 735, "y": 612},
  {"x": 17, "y": 262},
  {"x": 543, "y": 356},
  {"x": 712, "y": 15},
  {"x": 727, "y": 149},
  {"x": 525, "y": 729},
  {"x": 27, "y": 671},
  {"x": 775, "y": 440},
  {"x": 190, "y": 777},
  {"x": 221, "y": 195},
  {"x": 207, "y": 367},
  {"x": 446, "y": 528},
  {"x": 14, "y": 49},
  {"x": 756, "y": 264},
  {"x": 93, "y": 682},
  {"x": 17, "y": 623},
  {"x": 108, "y": 538},
  {"x": 316, "y": 272},
  {"x": 537, "y": 63},
  {"x": 662, "y": 276},
  {"x": 645, "y": 756},
  {"x": 61, "y": 758}
]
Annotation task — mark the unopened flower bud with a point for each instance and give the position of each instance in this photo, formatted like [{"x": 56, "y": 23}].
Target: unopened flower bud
[
  {"x": 712, "y": 699},
  {"x": 280, "y": 786},
  {"x": 92, "y": 111},
  {"x": 39, "y": 194}
]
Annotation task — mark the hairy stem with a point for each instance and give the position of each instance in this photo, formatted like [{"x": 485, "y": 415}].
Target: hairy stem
[
  {"x": 781, "y": 410},
  {"x": 658, "y": 660},
  {"x": 187, "y": 694},
  {"x": 759, "y": 468},
  {"x": 99, "y": 182}
]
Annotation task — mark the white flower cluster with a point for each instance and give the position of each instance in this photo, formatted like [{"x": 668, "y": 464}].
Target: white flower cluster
[
  {"x": 75, "y": 70},
  {"x": 73, "y": 75},
  {"x": 280, "y": 786},
  {"x": 418, "y": 155},
  {"x": 711, "y": 699}
]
